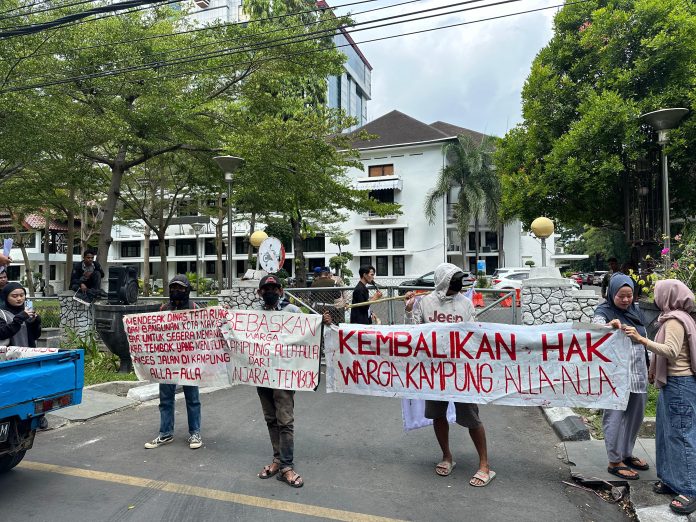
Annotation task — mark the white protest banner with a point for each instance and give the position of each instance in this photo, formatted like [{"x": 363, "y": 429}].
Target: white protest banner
[
  {"x": 23, "y": 352},
  {"x": 546, "y": 365},
  {"x": 274, "y": 349},
  {"x": 179, "y": 346}
]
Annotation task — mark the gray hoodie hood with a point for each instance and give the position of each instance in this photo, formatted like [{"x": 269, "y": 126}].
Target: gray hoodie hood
[{"x": 443, "y": 277}]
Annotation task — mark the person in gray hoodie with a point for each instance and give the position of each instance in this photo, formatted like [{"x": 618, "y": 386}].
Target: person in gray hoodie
[{"x": 446, "y": 304}]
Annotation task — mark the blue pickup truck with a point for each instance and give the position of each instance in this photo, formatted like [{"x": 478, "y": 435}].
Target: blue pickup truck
[{"x": 29, "y": 388}]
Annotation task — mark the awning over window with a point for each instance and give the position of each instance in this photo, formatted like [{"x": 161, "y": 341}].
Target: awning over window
[{"x": 379, "y": 184}]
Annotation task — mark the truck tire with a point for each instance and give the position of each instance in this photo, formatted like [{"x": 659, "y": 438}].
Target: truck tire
[{"x": 7, "y": 462}]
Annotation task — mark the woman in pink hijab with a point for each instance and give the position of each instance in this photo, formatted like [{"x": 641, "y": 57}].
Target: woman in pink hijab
[{"x": 674, "y": 370}]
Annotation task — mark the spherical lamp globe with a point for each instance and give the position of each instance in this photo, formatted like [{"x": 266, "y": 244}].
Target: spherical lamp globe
[
  {"x": 542, "y": 227},
  {"x": 257, "y": 238}
]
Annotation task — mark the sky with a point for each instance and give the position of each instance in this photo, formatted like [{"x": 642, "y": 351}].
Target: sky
[{"x": 471, "y": 76}]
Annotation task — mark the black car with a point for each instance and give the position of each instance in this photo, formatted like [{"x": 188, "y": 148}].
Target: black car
[{"x": 428, "y": 280}]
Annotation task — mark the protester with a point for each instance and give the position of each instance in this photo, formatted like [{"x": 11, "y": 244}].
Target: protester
[
  {"x": 621, "y": 426},
  {"x": 179, "y": 299},
  {"x": 363, "y": 314},
  {"x": 86, "y": 278},
  {"x": 3, "y": 282},
  {"x": 19, "y": 324},
  {"x": 324, "y": 300},
  {"x": 444, "y": 303},
  {"x": 613, "y": 268},
  {"x": 674, "y": 366},
  {"x": 279, "y": 405}
]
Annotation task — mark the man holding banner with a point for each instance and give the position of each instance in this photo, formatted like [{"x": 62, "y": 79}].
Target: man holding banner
[
  {"x": 446, "y": 304},
  {"x": 278, "y": 405}
]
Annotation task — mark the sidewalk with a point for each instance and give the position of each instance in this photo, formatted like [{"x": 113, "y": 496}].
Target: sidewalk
[{"x": 588, "y": 459}]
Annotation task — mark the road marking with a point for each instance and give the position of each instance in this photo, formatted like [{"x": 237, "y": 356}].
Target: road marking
[{"x": 214, "y": 494}]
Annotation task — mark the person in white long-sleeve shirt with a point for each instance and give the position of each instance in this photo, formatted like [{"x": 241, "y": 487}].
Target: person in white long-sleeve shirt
[{"x": 446, "y": 304}]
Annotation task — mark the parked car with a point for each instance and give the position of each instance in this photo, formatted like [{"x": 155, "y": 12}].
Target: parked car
[
  {"x": 428, "y": 280},
  {"x": 512, "y": 275},
  {"x": 504, "y": 271},
  {"x": 578, "y": 279},
  {"x": 597, "y": 277},
  {"x": 515, "y": 282},
  {"x": 589, "y": 278}
]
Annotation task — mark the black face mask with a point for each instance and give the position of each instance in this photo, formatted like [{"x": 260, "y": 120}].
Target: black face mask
[
  {"x": 456, "y": 284},
  {"x": 270, "y": 299},
  {"x": 178, "y": 295}
]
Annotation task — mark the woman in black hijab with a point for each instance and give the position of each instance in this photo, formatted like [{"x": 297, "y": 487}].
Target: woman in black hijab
[{"x": 18, "y": 326}]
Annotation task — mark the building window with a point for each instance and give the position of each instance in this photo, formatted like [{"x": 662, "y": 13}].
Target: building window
[
  {"x": 472, "y": 242},
  {"x": 382, "y": 266},
  {"x": 383, "y": 196},
  {"x": 491, "y": 241},
  {"x": 398, "y": 238},
  {"x": 185, "y": 247},
  {"x": 240, "y": 266},
  {"x": 155, "y": 247},
  {"x": 210, "y": 249},
  {"x": 365, "y": 239},
  {"x": 187, "y": 207},
  {"x": 398, "y": 265},
  {"x": 314, "y": 244},
  {"x": 210, "y": 267},
  {"x": 241, "y": 245},
  {"x": 382, "y": 238},
  {"x": 184, "y": 267},
  {"x": 365, "y": 260},
  {"x": 376, "y": 171},
  {"x": 130, "y": 249}
]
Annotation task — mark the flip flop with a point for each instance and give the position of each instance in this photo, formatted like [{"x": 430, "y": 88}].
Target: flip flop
[
  {"x": 661, "y": 488},
  {"x": 634, "y": 462},
  {"x": 444, "y": 468},
  {"x": 688, "y": 505},
  {"x": 483, "y": 477},
  {"x": 615, "y": 470}
]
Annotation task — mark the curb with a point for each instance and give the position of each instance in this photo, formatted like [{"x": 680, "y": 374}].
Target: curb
[{"x": 566, "y": 424}]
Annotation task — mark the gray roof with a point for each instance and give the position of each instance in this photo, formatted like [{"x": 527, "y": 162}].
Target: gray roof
[{"x": 396, "y": 128}]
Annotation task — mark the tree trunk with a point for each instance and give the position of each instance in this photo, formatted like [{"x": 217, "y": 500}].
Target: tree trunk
[
  {"x": 250, "y": 249},
  {"x": 218, "y": 243},
  {"x": 163, "y": 261},
  {"x": 501, "y": 245},
  {"x": 27, "y": 267},
  {"x": 462, "y": 249},
  {"x": 146, "y": 261},
  {"x": 47, "y": 252},
  {"x": 300, "y": 270},
  {"x": 70, "y": 240},
  {"x": 477, "y": 240},
  {"x": 113, "y": 194}
]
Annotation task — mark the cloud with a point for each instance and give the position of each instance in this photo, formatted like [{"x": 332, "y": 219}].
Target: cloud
[{"x": 471, "y": 75}]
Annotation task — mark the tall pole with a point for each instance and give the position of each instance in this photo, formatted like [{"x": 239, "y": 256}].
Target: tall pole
[
  {"x": 198, "y": 270},
  {"x": 543, "y": 251},
  {"x": 230, "y": 246},
  {"x": 665, "y": 205}
]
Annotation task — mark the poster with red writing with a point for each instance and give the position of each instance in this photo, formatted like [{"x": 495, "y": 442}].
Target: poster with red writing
[
  {"x": 273, "y": 349},
  {"x": 546, "y": 365},
  {"x": 179, "y": 346}
]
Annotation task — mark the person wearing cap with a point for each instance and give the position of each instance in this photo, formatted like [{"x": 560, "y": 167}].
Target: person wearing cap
[
  {"x": 447, "y": 304},
  {"x": 279, "y": 405},
  {"x": 179, "y": 299}
]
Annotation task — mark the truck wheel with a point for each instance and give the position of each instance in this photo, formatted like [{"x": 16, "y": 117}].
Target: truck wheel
[{"x": 7, "y": 462}]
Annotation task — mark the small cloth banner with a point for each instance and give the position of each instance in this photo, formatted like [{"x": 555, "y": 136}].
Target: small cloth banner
[
  {"x": 218, "y": 347},
  {"x": 8, "y": 353},
  {"x": 565, "y": 364}
]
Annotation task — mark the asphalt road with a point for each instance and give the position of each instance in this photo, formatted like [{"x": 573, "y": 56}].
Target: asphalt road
[{"x": 357, "y": 462}]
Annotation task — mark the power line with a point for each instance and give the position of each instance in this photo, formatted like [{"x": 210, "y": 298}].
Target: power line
[
  {"x": 47, "y": 9},
  {"x": 295, "y": 39},
  {"x": 289, "y": 55}
]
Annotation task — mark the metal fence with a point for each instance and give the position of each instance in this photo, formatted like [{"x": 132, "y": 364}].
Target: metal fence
[{"x": 493, "y": 306}]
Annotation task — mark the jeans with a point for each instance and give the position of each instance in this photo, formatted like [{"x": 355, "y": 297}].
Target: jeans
[
  {"x": 166, "y": 407},
  {"x": 279, "y": 411},
  {"x": 675, "y": 435}
]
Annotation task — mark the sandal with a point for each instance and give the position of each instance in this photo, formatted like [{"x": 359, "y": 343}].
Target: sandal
[
  {"x": 616, "y": 470},
  {"x": 661, "y": 488},
  {"x": 294, "y": 480},
  {"x": 268, "y": 471},
  {"x": 484, "y": 477},
  {"x": 688, "y": 505},
  {"x": 444, "y": 468},
  {"x": 635, "y": 463}
]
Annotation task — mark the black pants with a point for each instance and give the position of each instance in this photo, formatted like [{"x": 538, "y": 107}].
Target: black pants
[{"x": 93, "y": 284}]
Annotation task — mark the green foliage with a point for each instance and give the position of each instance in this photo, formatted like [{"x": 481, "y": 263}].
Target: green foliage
[
  {"x": 598, "y": 243},
  {"x": 481, "y": 280},
  {"x": 529, "y": 262},
  {"x": 573, "y": 156}
]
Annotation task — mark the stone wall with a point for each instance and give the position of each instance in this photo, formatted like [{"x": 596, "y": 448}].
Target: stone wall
[
  {"x": 550, "y": 300},
  {"x": 74, "y": 315},
  {"x": 239, "y": 297}
]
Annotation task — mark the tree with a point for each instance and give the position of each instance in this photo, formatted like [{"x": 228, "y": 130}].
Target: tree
[
  {"x": 609, "y": 61},
  {"x": 469, "y": 173}
]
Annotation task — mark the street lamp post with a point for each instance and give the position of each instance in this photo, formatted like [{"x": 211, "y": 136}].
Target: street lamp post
[
  {"x": 664, "y": 120},
  {"x": 229, "y": 165},
  {"x": 197, "y": 227},
  {"x": 542, "y": 227}
]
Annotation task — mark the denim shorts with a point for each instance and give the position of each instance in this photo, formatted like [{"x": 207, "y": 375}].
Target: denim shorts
[{"x": 467, "y": 414}]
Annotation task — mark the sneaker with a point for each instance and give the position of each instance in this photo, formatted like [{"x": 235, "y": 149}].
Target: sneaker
[
  {"x": 159, "y": 441},
  {"x": 195, "y": 441},
  {"x": 83, "y": 298}
]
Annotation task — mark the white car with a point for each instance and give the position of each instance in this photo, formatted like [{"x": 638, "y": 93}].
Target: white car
[{"x": 514, "y": 282}]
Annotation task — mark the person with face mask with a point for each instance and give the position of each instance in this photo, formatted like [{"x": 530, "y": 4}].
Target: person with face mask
[
  {"x": 19, "y": 325},
  {"x": 278, "y": 405},
  {"x": 179, "y": 293},
  {"x": 446, "y": 304}
]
